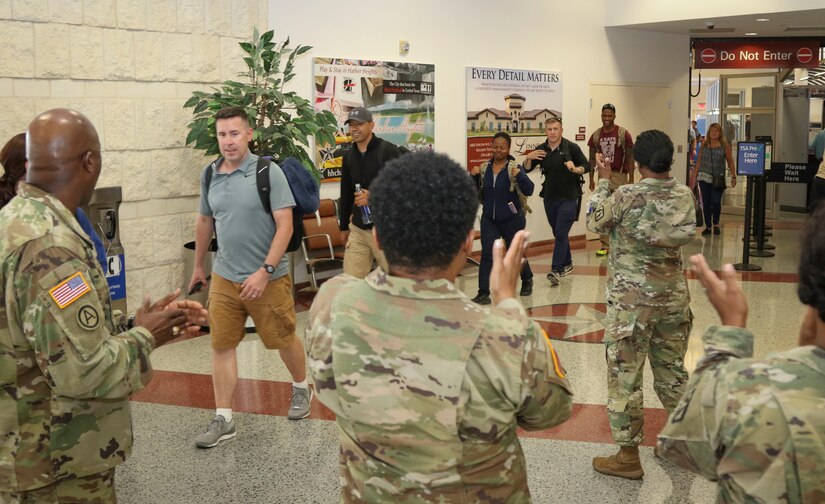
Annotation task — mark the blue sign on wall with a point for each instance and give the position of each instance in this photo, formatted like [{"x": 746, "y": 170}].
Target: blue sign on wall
[
  {"x": 751, "y": 159},
  {"x": 116, "y": 276}
]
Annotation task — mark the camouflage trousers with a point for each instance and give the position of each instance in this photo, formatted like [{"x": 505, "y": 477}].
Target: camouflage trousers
[
  {"x": 631, "y": 335},
  {"x": 95, "y": 489}
]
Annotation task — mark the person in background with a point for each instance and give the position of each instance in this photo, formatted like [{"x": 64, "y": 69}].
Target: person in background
[
  {"x": 616, "y": 146},
  {"x": 709, "y": 171},
  {"x": 756, "y": 425},
  {"x": 562, "y": 164},
  {"x": 817, "y": 146},
  {"x": 501, "y": 183},
  {"x": 648, "y": 302},
  {"x": 360, "y": 165},
  {"x": 817, "y": 188},
  {"x": 13, "y": 159}
]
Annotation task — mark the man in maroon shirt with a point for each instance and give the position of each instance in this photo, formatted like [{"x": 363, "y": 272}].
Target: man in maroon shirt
[{"x": 616, "y": 145}]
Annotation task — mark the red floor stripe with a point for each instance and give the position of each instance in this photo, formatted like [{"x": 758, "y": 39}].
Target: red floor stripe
[{"x": 588, "y": 422}]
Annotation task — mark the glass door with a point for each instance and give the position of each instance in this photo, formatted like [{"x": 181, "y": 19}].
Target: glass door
[{"x": 748, "y": 106}]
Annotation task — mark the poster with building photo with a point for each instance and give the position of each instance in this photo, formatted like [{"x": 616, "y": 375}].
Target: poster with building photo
[
  {"x": 517, "y": 102},
  {"x": 399, "y": 95}
]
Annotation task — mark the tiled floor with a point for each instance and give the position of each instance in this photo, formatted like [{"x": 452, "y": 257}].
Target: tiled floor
[{"x": 273, "y": 460}]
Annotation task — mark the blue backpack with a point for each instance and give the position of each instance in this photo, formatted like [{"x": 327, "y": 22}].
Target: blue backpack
[{"x": 304, "y": 187}]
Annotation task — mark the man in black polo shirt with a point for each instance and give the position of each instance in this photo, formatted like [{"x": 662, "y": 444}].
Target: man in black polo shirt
[
  {"x": 361, "y": 164},
  {"x": 562, "y": 163}
]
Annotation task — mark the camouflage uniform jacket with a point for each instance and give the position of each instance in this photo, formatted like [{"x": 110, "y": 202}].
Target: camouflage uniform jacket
[
  {"x": 429, "y": 389},
  {"x": 648, "y": 222},
  {"x": 65, "y": 375},
  {"x": 756, "y": 425}
]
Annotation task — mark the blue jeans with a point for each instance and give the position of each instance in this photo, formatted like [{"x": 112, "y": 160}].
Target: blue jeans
[
  {"x": 711, "y": 203},
  {"x": 561, "y": 215},
  {"x": 492, "y": 230}
]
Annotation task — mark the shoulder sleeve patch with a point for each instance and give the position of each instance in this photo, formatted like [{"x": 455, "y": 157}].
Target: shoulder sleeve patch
[
  {"x": 556, "y": 364},
  {"x": 70, "y": 290}
]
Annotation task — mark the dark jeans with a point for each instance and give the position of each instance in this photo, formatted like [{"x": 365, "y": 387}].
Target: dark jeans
[
  {"x": 561, "y": 215},
  {"x": 817, "y": 193},
  {"x": 491, "y": 231},
  {"x": 711, "y": 203}
]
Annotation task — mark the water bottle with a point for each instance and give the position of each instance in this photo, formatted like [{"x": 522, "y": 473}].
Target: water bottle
[{"x": 366, "y": 213}]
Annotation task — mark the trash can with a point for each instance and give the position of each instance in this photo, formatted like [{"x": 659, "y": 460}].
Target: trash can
[
  {"x": 189, "y": 267},
  {"x": 103, "y": 211}
]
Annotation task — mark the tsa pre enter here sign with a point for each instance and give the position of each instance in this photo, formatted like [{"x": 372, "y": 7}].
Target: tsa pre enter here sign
[{"x": 751, "y": 159}]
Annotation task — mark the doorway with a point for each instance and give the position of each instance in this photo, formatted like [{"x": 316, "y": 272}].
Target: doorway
[{"x": 747, "y": 111}]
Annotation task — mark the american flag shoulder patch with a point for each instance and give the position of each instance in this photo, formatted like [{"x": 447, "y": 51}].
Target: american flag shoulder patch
[{"x": 70, "y": 290}]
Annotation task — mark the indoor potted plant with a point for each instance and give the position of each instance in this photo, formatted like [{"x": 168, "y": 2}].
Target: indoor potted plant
[{"x": 283, "y": 121}]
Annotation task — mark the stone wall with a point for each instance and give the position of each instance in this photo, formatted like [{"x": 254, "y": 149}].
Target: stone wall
[{"x": 129, "y": 65}]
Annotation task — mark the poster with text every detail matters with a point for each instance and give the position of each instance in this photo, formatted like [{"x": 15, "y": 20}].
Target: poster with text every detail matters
[
  {"x": 399, "y": 95},
  {"x": 517, "y": 102}
]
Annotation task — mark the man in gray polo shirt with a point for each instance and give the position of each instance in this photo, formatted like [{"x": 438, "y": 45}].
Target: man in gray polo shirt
[{"x": 250, "y": 276}]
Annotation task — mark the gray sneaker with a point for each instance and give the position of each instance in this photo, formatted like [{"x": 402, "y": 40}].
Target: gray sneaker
[
  {"x": 566, "y": 270},
  {"x": 219, "y": 430},
  {"x": 299, "y": 405},
  {"x": 554, "y": 278}
]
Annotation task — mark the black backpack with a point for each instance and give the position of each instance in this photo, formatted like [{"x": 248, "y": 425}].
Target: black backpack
[{"x": 262, "y": 180}]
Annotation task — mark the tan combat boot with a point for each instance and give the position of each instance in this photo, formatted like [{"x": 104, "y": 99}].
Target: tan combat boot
[{"x": 624, "y": 464}]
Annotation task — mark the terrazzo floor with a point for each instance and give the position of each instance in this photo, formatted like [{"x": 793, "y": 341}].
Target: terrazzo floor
[{"x": 274, "y": 460}]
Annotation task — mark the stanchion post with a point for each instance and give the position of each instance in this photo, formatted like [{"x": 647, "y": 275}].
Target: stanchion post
[
  {"x": 745, "y": 264},
  {"x": 759, "y": 210}
]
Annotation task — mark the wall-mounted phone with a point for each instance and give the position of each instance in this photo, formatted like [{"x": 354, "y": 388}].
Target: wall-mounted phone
[{"x": 108, "y": 223}]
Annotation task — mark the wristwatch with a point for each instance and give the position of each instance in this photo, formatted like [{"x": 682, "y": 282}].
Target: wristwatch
[{"x": 269, "y": 268}]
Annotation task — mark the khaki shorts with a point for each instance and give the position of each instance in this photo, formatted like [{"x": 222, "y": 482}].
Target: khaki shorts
[
  {"x": 361, "y": 250},
  {"x": 273, "y": 313}
]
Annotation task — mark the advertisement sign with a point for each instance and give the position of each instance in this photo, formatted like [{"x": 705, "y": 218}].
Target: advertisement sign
[
  {"x": 756, "y": 53},
  {"x": 401, "y": 97},
  {"x": 517, "y": 102}
]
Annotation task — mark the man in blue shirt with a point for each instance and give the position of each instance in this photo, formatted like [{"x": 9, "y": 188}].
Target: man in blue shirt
[{"x": 250, "y": 275}]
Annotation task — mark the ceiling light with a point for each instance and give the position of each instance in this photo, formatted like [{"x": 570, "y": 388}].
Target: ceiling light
[
  {"x": 750, "y": 34},
  {"x": 763, "y": 20}
]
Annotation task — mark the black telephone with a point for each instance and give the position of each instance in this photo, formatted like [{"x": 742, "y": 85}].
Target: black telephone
[{"x": 108, "y": 224}]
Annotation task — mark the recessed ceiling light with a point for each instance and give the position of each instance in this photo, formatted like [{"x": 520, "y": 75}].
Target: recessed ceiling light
[
  {"x": 763, "y": 20},
  {"x": 750, "y": 34}
]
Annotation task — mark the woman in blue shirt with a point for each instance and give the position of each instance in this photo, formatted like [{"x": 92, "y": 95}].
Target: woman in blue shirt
[{"x": 502, "y": 214}]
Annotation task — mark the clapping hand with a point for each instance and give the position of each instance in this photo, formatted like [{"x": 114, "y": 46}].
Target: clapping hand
[
  {"x": 725, "y": 293},
  {"x": 605, "y": 171},
  {"x": 507, "y": 267}
]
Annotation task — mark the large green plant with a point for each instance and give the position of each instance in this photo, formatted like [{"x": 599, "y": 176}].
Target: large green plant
[{"x": 283, "y": 121}]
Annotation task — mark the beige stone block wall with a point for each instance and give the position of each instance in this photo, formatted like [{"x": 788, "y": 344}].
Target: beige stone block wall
[{"x": 129, "y": 65}]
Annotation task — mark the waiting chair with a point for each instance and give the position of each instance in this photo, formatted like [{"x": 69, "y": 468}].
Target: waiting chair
[{"x": 321, "y": 244}]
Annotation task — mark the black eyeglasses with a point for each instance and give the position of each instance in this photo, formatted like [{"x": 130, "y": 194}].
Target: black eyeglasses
[{"x": 609, "y": 106}]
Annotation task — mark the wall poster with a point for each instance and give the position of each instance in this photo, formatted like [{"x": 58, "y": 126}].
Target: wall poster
[
  {"x": 517, "y": 102},
  {"x": 399, "y": 95}
]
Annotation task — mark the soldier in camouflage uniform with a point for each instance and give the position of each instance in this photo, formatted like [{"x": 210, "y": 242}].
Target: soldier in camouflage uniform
[
  {"x": 647, "y": 294},
  {"x": 757, "y": 425},
  {"x": 427, "y": 386},
  {"x": 66, "y": 372}
]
